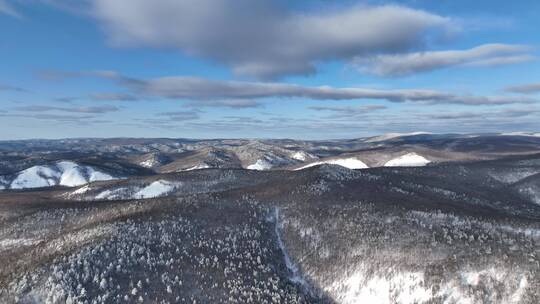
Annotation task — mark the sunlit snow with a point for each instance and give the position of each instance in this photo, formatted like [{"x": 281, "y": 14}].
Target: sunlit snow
[
  {"x": 155, "y": 189},
  {"x": 351, "y": 163},
  {"x": 408, "y": 160},
  {"x": 260, "y": 165},
  {"x": 65, "y": 173},
  {"x": 35, "y": 177},
  {"x": 302, "y": 156},
  {"x": 197, "y": 167}
]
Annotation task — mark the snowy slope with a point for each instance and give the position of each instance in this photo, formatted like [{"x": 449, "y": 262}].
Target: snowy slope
[
  {"x": 351, "y": 163},
  {"x": 302, "y": 156},
  {"x": 156, "y": 189},
  {"x": 149, "y": 163},
  {"x": 35, "y": 177},
  {"x": 260, "y": 165},
  {"x": 71, "y": 174},
  {"x": 65, "y": 173},
  {"x": 408, "y": 160}
]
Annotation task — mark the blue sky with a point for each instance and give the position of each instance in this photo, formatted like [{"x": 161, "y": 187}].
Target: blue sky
[{"x": 266, "y": 69}]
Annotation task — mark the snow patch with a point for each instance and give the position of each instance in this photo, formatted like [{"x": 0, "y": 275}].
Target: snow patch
[
  {"x": 530, "y": 134},
  {"x": 350, "y": 163},
  {"x": 156, "y": 189},
  {"x": 197, "y": 167},
  {"x": 82, "y": 190},
  {"x": 111, "y": 194},
  {"x": 301, "y": 156},
  {"x": 396, "y": 287},
  {"x": 149, "y": 163},
  {"x": 408, "y": 287},
  {"x": 408, "y": 160},
  {"x": 260, "y": 165},
  {"x": 98, "y": 176}
]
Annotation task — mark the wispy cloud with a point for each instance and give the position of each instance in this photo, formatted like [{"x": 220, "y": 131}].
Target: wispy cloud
[
  {"x": 59, "y": 118},
  {"x": 99, "y": 97},
  {"x": 5, "y": 87},
  {"x": 66, "y": 99},
  {"x": 412, "y": 63},
  {"x": 221, "y": 92},
  {"x": 92, "y": 109},
  {"x": 58, "y": 75},
  {"x": 8, "y": 9},
  {"x": 205, "y": 89},
  {"x": 529, "y": 88},
  {"x": 360, "y": 109},
  {"x": 503, "y": 113},
  {"x": 180, "y": 115},
  {"x": 349, "y": 112},
  {"x": 112, "y": 97},
  {"x": 466, "y": 122},
  {"x": 227, "y": 103}
]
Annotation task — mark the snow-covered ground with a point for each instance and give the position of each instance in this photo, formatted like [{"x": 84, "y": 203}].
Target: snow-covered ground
[
  {"x": 112, "y": 194},
  {"x": 34, "y": 177},
  {"x": 404, "y": 287},
  {"x": 65, "y": 173},
  {"x": 156, "y": 189},
  {"x": 149, "y": 163},
  {"x": 260, "y": 165},
  {"x": 82, "y": 190},
  {"x": 351, "y": 163},
  {"x": 302, "y": 156},
  {"x": 532, "y": 134},
  {"x": 408, "y": 160},
  {"x": 197, "y": 167}
]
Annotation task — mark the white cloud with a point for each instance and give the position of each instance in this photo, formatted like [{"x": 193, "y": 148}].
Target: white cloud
[
  {"x": 239, "y": 94},
  {"x": 406, "y": 64},
  {"x": 262, "y": 39},
  {"x": 204, "y": 89},
  {"x": 8, "y": 9}
]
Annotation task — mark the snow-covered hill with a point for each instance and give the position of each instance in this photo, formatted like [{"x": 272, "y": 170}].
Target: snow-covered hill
[
  {"x": 64, "y": 173},
  {"x": 350, "y": 162},
  {"x": 408, "y": 160}
]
